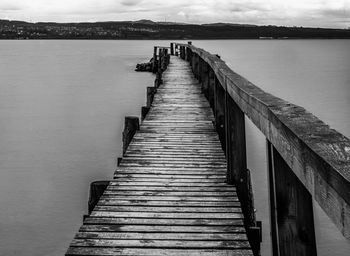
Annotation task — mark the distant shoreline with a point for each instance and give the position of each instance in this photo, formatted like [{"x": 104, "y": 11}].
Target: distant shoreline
[{"x": 149, "y": 30}]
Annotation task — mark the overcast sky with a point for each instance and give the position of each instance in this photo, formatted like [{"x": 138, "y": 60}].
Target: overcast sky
[{"x": 314, "y": 13}]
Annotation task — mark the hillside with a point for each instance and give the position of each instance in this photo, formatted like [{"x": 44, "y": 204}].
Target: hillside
[{"x": 147, "y": 29}]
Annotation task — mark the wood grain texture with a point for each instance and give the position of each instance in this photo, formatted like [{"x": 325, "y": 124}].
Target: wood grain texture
[
  {"x": 318, "y": 155},
  {"x": 169, "y": 195}
]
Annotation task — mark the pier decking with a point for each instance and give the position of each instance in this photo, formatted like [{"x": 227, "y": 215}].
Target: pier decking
[
  {"x": 173, "y": 191},
  {"x": 169, "y": 195}
]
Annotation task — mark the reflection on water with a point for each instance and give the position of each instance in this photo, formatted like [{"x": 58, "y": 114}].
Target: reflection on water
[{"x": 62, "y": 105}]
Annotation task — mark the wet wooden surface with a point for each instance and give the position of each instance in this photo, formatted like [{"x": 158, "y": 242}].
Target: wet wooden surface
[{"x": 169, "y": 195}]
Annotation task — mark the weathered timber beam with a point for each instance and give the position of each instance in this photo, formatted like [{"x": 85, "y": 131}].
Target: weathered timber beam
[
  {"x": 318, "y": 155},
  {"x": 131, "y": 125},
  {"x": 96, "y": 190}
]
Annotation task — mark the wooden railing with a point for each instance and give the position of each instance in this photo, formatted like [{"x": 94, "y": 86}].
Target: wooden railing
[{"x": 306, "y": 158}]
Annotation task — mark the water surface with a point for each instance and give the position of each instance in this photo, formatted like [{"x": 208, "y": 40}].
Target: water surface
[{"x": 62, "y": 106}]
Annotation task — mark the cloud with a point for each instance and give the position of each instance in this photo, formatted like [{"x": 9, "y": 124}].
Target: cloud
[
  {"x": 316, "y": 13},
  {"x": 130, "y": 2},
  {"x": 9, "y": 6},
  {"x": 337, "y": 13}
]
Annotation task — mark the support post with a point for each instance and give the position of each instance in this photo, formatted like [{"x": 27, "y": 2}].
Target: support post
[
  {"x": 205, "y": 79},
  {"x": 211, "y": 87},
  {"x": 158, "y": 81},
  {"x": 154, "y": 63},
  {"x": 160, "y": 60},
  {"x": 200, "y": 71},
  {"x": 195, "y": 65},
  {"x": 150, "y": 96},
  {"x": 119, "y": 160},
  {"x": 171, "y": 48},
  {"x": 164, "y": 59},
  {"x": 189, "y": 54},
  {"x": 96, "y": 190},
  {"x": 192, "y": 62},
  {"x": 219, "y": 113},
  {"x": 182, "y": 52},
  {"x": 236, "y": 142},
  {"x": 292, "y": 220},
  {"x": 131, "y": 125},
  {"x": 144, "y": 112},
  {"x": 167, "y": 57},
  {"x": 237, "y": 172}
]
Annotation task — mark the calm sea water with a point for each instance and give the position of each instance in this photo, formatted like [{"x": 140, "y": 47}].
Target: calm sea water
[{"x": 62, "y": 106}]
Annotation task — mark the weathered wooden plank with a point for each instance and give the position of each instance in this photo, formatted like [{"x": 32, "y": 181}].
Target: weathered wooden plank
[
  {"x": 172, "y": 180},
  {"x": 168, "y": 183},
  {"x": 167, "y": 188},
  {"x": 216, "y": 230},
  {"x": 167, "y": 215},
  {"x": 167, "y": 176},
  {"x": 237, "y": 244},
  {"x": 174, "y": 160},
  {"x": 159, "y": 221},
  {"x": 175, "y": 166},
  {"x": 175, "y": 171},
  {"x": 208, "y": 209},
  {"x": 112, "y": 201},
  {"x": 169, "y": 193},
  {"x": 161, "y": 236},
  {"x": 180, "y": 174},
  {"x": 172, "y": 198},
  {"x": 154, "y": 252},
  {"x": 165, "y": 169}
]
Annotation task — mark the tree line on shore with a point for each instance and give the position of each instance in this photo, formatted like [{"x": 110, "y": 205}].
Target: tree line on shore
[{"x": 146, "y": 29}]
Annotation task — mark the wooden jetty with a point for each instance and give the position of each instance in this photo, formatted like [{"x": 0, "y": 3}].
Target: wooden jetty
[{"x": 183, "y": 187}]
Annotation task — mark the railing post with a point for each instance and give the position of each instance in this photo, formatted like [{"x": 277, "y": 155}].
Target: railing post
[
  {"x": 171, "y": 48},
  {"x": 188, "y": 51},
  {"x": 131, "y": 125},
  {"x": 176, "y": 50},
  {"x": 237, "y": 172},
  {"x": 161, "y": 59},
  {"x": 236, "y": 142},
  {"x": 189, "y": 56},
  {"x": 154, "y": 63},
  {"x": 205, "y": 79},
  {"x": 165, "y": 59},
  {"x": 211, "y": 87},
  {"x": 200, "y": 71},
  {"x": 196, "y": 66},
  {"x": 219, "y": 113},
  {"x": 192, "y": 62},
  {"x": 292, "y": 221}
]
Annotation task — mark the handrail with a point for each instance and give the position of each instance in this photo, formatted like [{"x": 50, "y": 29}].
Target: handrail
[{"x": 318, "y": 155}]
